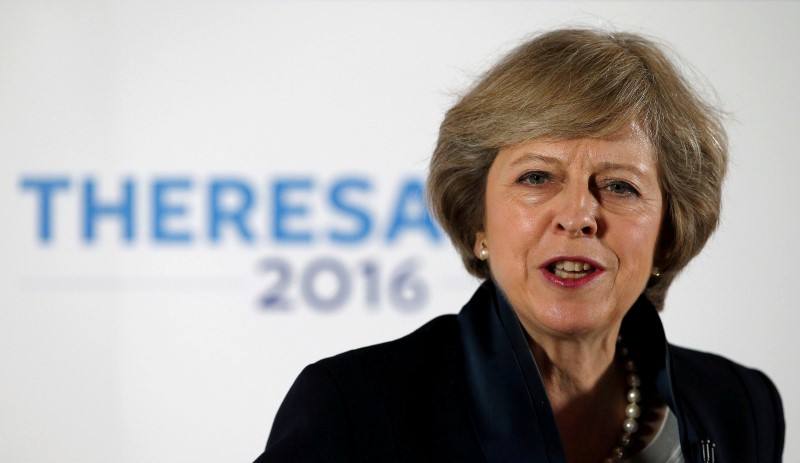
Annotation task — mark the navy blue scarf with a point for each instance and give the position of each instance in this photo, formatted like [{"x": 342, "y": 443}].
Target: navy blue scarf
[{"x": 508, "y": 402}]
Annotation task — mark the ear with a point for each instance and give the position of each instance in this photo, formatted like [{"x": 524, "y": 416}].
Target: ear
[{"x": 480, "y": 239}]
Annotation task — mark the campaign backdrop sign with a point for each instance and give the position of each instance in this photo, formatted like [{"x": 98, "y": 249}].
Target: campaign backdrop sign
[{"x": 201, "y": 198}]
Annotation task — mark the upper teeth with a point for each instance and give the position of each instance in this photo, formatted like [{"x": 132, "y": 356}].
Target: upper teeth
[{"x": 572, "y": 266}]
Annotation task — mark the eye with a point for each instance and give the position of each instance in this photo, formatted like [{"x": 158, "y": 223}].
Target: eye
[
  {"x": 534, "y": 178},
  {"x": 619, "y": 187}
]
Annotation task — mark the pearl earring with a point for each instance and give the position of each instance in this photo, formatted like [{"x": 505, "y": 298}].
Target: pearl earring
[
  {"x": 655, "y": 272},
  {"x": 484, "y": 252}
]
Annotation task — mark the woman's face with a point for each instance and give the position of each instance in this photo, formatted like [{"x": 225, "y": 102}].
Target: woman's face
[{"x": 571, "y": 228}]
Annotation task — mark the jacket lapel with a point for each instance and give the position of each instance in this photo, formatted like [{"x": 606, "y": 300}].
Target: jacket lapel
[{"x": 508, "y": 404}]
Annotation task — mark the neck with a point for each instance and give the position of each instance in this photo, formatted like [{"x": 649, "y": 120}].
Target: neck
[
  {"x": 574, "y": 366},
  {"x": 586, "y": 389}
]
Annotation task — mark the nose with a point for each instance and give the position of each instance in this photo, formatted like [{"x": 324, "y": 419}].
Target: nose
[{"x": 576, "y": 212}]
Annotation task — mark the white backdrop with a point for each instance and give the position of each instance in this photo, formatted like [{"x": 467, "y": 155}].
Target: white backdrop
[{"x": 190, "y": 189}]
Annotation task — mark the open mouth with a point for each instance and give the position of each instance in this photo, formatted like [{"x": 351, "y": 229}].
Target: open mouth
[{"x": 571, "y": 270}]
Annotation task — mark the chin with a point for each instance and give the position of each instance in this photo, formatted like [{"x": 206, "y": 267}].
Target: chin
[{"x": 571, "y": 320}]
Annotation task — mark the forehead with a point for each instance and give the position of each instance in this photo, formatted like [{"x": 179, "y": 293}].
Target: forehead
[{"x": 629, "y": 148}]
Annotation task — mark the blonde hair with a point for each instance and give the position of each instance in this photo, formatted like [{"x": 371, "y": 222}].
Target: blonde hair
[{"x": 583, "y": 83}]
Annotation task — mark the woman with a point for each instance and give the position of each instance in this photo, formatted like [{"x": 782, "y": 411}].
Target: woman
[{"x": 577, "y": 177}]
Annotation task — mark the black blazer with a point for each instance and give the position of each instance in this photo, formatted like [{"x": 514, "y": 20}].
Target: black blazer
[{"x": 466, "y": 389}]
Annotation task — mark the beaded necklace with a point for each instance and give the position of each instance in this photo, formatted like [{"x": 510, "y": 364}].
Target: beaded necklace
[{"x": 632, "y": 410}]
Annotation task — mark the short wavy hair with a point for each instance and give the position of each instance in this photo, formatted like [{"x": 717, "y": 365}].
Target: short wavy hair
[{"x": 585, "y": 83}]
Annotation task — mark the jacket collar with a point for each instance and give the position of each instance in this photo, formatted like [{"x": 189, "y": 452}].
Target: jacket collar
[{"x": 510, "y": 410}]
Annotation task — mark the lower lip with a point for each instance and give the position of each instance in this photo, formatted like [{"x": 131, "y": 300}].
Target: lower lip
[{"x": 570, "y": 282}]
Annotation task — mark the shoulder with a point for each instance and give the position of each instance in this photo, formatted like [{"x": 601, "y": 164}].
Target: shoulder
[
  {"x": 401, "y": 398},
  {"x": 705, "y": 368},
  {"x": 409, "y": 368},
  {"x": 731, "y": 401},
  {"x": 437, "y": 339}
]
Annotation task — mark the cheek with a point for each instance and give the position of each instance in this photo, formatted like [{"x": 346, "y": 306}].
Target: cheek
[
  {"x": 638, "y": 244},
  {"x": 511, "y": 226},
  {"x": 514, "y": 239}
]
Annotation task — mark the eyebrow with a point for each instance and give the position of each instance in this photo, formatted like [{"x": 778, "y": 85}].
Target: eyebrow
[
  {"x": 626, "y": 167},
  {"x": 555, "y": 161},
  {"x": 531, "y": 157}
]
